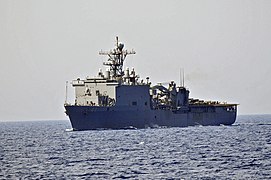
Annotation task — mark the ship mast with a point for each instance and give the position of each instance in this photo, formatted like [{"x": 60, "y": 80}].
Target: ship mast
[{"x": 116, "y": 59}]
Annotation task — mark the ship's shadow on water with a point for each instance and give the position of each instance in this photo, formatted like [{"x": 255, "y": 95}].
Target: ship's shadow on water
[{"x": 46, "y": 150}]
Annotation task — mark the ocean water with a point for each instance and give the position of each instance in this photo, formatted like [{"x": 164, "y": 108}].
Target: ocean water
[{"x": 47, "y": 150}]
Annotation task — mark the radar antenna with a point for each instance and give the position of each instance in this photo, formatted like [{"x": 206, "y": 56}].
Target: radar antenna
[{"x": 116, "y": 58}]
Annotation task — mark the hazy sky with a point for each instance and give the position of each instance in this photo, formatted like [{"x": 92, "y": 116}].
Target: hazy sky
[{"x": 224, "y": 47}]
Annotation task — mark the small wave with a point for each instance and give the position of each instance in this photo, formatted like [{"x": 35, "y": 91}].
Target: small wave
[
  {"x": 129, "y": 128},
  {"x": 96, "y": 159},
  {"x": 91, "y": 174},
  {"x": 69, "y": 130},
  {"x": 53, "y": 158},
  {"x": 156, "y": 126},
  {"x": 124, "y": 177},
  {"x": 264, "y": 124},
  {"x": 235, "y": 125}
]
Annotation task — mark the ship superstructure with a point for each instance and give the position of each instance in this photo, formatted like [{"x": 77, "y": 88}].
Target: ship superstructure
[{"x": 117, "y": 99}]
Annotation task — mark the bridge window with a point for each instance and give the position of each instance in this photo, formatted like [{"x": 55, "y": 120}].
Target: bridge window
[{"x": 134, "y": 103}]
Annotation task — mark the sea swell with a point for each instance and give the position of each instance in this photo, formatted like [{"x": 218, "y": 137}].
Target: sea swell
[{"x": 44, "y": 150}]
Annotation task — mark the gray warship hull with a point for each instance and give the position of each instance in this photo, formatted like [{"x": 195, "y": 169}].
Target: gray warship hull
[
  {"x": 89, "y": 118},
  {"x": 118, "y": 99}
]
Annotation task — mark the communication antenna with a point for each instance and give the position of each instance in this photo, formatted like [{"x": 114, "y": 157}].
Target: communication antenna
[
  {"x": 116, "y": 58},
  {"x": 181, "y": 77},
  {"x": 66, "y": 96},
  {"x": 117, "y": 41}
]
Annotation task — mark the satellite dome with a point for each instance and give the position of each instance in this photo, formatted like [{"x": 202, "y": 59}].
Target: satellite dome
[{"x": 120, "y": 46}]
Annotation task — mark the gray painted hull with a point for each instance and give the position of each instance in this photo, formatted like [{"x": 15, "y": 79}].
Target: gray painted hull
[{"x": 94, "y": 117}]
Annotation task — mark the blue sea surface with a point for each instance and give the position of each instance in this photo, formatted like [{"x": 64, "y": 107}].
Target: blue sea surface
[{"x": 47, "y": 150}]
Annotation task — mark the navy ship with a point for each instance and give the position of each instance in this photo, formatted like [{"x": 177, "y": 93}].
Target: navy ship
[{"x": 119, "y": 99}]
